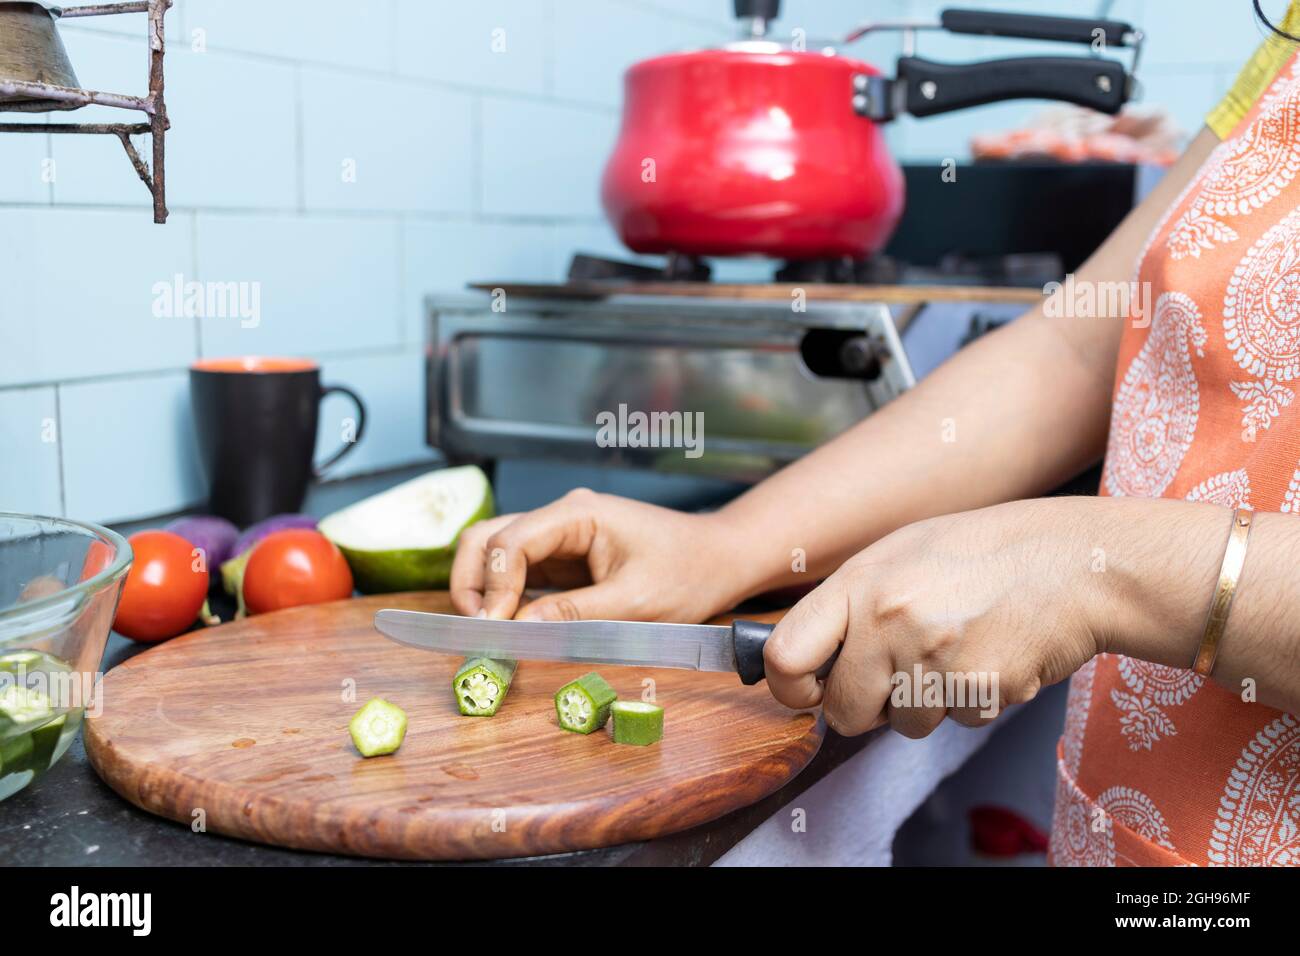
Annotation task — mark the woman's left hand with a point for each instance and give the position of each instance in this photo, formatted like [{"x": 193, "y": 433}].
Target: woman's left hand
[{"x": 985, "y": 607}]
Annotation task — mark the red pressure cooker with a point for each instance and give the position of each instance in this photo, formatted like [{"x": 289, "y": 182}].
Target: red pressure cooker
[{"x": 766, "y": 149}]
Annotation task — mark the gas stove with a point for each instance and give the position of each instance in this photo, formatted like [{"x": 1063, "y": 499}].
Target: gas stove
[
  {"x": 1021, "y": 270},
  {"x": 637, "y": 369},
  {"x": 771, "y": 368}
]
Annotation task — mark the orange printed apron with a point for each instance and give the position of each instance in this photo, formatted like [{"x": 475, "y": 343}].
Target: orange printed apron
[{"x": 1158, "y": 767}]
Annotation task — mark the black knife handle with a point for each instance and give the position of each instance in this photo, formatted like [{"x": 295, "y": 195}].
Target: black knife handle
[{"x": 749, "y": 638}]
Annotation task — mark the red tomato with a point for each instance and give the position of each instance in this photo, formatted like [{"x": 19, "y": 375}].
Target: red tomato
[
  {"x": 98, "y": 557},
  {"x": 294, "y": 567},
  {"x": 164, "y": 590}
]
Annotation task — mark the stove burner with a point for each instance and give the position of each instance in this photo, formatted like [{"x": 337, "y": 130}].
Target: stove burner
[
  {"x": 683, "y": 268},
  {"x": 677, "y": 268},
  {"x": 881, "y": 270},
  {"x": 1027, "y": 270}
]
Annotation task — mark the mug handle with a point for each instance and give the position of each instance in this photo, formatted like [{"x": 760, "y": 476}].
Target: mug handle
[{"x": 319, "y": 470}]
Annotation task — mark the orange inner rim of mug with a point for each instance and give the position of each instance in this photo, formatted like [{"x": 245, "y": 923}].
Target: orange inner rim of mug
[{"x": 255, "y": 363}]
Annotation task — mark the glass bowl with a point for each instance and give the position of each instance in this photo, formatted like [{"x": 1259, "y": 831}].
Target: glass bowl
[{"x": 59, "y": 585}]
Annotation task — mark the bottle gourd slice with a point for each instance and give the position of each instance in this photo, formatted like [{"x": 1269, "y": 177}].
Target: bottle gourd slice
[
  {"x": 378, "y": 728},
  {"x": 582, "y": 706},
  {"x": 481, "y": 685},
  {"x": 637, "y": 722}
]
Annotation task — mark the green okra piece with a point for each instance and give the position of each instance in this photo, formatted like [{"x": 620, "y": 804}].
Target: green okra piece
[
  {"x": 378, "y": 728},
  {"x": 481, "y": 685},
  {"x": 15, "y": 661},
  {"x": 637, "y": 722},
  {"x": 23, "y": 705},
  {"x": 582, "y": 705},
  {"x": 16, "y": 755},
  {"x": 45, "y": 740}
]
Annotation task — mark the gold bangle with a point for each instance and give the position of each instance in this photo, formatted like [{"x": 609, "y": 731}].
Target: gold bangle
[{"x": 1234, "y": 556}]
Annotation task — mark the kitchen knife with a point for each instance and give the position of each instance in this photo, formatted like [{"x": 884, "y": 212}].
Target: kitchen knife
[{"x": 696, "y": 647}]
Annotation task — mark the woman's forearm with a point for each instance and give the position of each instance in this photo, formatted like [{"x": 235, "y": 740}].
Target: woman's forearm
[
  {"x": 1157, "y": 563},
  {"x": 1013, "y": 415}
]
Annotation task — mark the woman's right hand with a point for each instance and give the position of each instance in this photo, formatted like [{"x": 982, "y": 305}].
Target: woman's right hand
[{"x": 610, "y": 558}]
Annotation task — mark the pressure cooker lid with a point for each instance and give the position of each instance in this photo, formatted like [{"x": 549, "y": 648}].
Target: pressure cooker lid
[{"x": 771, "y": 47}]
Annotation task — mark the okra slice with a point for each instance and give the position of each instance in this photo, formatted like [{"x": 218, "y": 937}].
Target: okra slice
[
  {"x": 636, "y": 722},
  {"x": 15, "y": 755},
  {"x": 24, "y": 705},
  {"x": 378, "y": 728},
  {"x": 481, "y": 685},
  {"x": 45, "y": 740},
  {"x": 15, "y": 661},
  {"x": 583, "y": 705}
]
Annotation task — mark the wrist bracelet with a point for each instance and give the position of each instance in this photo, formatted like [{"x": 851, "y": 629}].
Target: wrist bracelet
[{"x": 1234, "y": 556}]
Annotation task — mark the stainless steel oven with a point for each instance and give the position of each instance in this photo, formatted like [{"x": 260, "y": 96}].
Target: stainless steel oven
[{"x": 543, "y": 378}]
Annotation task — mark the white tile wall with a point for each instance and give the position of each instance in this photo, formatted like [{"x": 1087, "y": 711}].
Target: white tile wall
[
  {"x": 128, "y": 449},
  {"x": 235, "y": 130},
  {"x": 351, "y": 33},
  {"x": 443, "y": 256},
  {"x": 24, "y": 168},
  {"x": 595, "y": 40},
  {"x": 326, "y": 284},
  {"x": 387, "y": 383},
  {"x": 488, "y": 44},
  {"x": 78, "y": 288},
  {"x": 372, "y": 144},
  {"x": 542, "y": 159},
  {"x": 29, "y": 476},
  {"x": 479, "y": 131}
]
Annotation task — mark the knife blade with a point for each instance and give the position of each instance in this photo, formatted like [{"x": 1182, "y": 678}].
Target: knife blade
[{"x": 699, "y": 647}]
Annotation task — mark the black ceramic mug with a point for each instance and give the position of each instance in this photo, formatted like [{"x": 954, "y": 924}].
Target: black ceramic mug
[{"x": 255, "y": 419}]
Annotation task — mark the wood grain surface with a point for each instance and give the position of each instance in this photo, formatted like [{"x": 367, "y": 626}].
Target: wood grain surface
[{"x": 244, "y": 727}]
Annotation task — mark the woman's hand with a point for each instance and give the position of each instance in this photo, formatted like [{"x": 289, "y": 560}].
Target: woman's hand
[
  {"x": 613, "y": 558},
  {"x": 997, "y": 603}
]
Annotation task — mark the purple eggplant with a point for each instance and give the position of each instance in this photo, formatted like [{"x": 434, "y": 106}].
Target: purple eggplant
[
  {"x": 215, "y": 536},
  {"x": 255, "y": 533},
  {"x": 232, "y": 571}
]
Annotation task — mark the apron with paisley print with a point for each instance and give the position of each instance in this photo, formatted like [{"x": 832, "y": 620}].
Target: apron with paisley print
[{"x": 1158, "y": 766}]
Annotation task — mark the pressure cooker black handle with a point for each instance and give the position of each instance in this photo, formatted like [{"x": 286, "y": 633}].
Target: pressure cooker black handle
[
  {"x": 763, "y": 9},
  {"x": 932, "y": 88},
  {"x": 1034, "y": 27}
]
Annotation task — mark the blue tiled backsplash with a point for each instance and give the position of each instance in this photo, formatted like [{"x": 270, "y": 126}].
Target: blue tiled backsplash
[{"x": 469, "y": 163}]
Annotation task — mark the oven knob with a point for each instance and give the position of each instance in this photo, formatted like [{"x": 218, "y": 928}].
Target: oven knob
[{"x": 860, "y": 357}]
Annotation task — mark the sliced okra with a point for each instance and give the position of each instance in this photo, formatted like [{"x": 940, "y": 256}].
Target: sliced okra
[
  {"x": 378, "y": 728},
  {"x": 15, "y": 661},
  {"x": 583, "y": 705},
  {"x": 481, "y": 685},
  {"x": 45, "y": 740},
  {"x": 16, "y": 755},
  {"x": 24, "y": 705},
  {"x": 636, "y": 722}
]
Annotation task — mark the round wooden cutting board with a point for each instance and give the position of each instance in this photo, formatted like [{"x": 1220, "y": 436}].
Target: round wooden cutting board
[{"x": 243, "y": 728}]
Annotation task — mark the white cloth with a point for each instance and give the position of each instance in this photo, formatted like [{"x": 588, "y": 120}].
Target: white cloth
[{"x": 851, "y": 815}]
